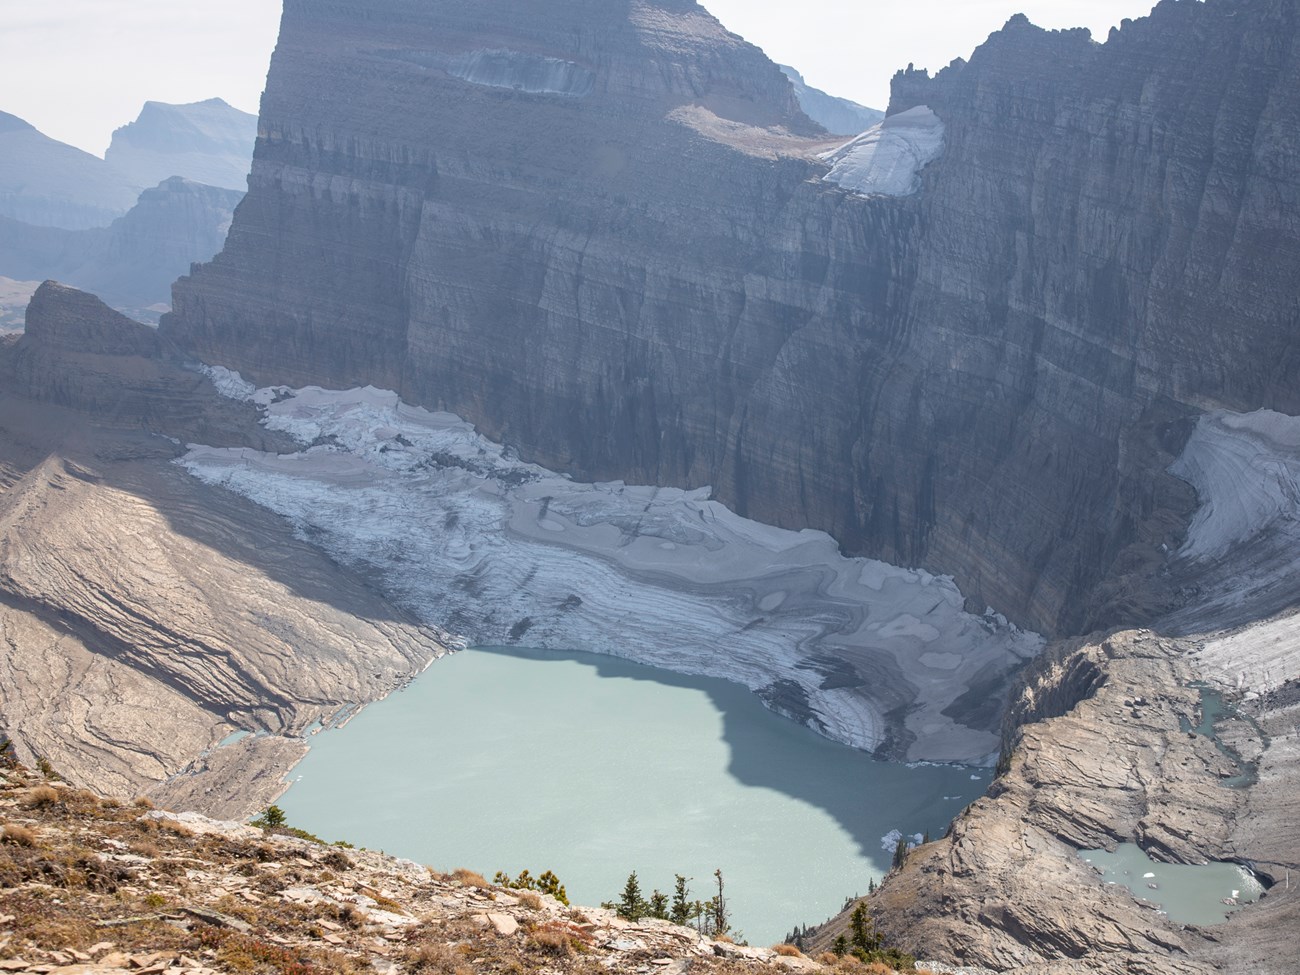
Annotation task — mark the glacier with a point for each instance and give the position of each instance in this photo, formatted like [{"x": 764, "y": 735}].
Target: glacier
[
  {"x": 887, "y": 159},
  {"x": 478, "y": 542},
  {"x": 1245, "y": 542}
]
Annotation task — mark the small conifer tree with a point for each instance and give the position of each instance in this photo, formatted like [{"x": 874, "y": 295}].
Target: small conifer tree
[
  {"x": 681, "y": 909},
  {"x": 632, "y": 905},
  {"x": 549, "y": 883},
  {"x": 659, "y": 905},
  {"x": 720, "y": 920}
]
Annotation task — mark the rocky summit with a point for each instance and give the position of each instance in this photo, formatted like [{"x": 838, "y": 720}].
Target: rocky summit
[{"x": 208, "y": 142}]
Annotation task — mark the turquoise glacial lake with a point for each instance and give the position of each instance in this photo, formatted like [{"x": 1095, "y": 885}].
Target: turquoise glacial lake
[
  {"x": 1187, "y": 893},
  {"x": 592, "y": 766}
]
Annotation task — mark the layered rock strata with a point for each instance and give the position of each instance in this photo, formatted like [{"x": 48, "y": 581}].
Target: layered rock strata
[
  {"x": 1117, "y": 740},
  {"x": 146, "y": 616},
  {"x": 601, "y": 235}
]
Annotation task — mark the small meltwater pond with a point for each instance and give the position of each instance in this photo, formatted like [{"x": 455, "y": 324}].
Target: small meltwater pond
[
  {"x": 1188, "y": 894},
  {"x": 592, "y": 766}
]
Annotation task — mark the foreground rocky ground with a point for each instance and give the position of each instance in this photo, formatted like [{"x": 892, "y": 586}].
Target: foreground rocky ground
[{"x": 96, "y": 886}]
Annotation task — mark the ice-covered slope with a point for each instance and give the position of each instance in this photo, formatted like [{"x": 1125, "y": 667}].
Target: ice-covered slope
[
  {"x": 52, "y": 184},
  {"x": 1242, "y": 552},
  {"x": 209, "y": 142},
  {"x": 506, "y": 552},
  {"x": 887, "y": 159}
]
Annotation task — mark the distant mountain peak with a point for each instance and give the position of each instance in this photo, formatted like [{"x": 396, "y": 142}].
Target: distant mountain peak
[
  {"x": 51, "y": 184},
  {"x": 839, "y": 116},
  {"x": 12, "y": 123},
  {"x": 209, "y": 141}
]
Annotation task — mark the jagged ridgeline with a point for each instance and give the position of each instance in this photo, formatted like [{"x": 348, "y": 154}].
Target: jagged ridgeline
[{"x": 599, "y": 230}]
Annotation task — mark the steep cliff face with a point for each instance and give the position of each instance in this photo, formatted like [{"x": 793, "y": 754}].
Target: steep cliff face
[{"x": 602, "y": 235}]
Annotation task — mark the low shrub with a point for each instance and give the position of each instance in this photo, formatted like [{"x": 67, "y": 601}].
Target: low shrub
[
  {"x": 17, "y": 835},
  {"x": 470, "y": 878},
  {"x": 336, "y": 860},
  {"x": 435, "y": 957},
  {"x": 42, "y": 797},
  {"x": 552, "y": 939}
]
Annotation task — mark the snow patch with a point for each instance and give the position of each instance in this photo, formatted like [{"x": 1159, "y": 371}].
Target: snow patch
[
  {"x": 229, "y": 383},
  {"x": 887, "y": 159}
]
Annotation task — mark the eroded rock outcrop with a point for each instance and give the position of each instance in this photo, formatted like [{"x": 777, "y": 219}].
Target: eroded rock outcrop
[
  {"x": 144, "y": 615},
  {"x": 635, "y": 270},
  {"x": 78, "y": 353},
  {"x": 1098, "y": 754}
]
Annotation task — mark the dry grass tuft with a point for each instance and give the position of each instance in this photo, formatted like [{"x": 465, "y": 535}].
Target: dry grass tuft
[
  {"x": 17, "y": 835},
  {"x": 552, "y": 939},
  {"x": 42, "y": 797},
  {"x": 143, "y": 802},
  {"x": 529, "y": 899},
  {"x": 432, "y": 956},
  {"x": 470, "y": 878},
  {"x": 336, "y": 859},
  {"x": 828, "y": 958},
  {"x": 790, "y": 951}
]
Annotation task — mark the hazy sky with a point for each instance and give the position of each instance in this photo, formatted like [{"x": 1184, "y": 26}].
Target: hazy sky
[{"x": 77, "y": 69}]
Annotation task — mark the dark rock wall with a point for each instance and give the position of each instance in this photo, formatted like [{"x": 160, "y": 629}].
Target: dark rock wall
[{"x": 628, "y": 267}]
